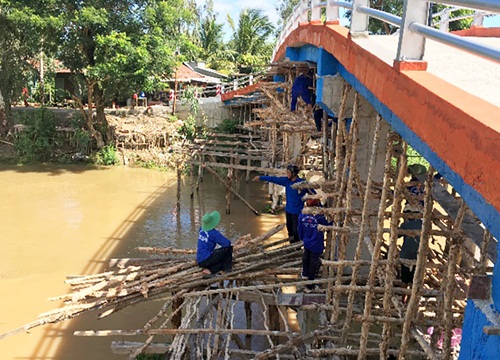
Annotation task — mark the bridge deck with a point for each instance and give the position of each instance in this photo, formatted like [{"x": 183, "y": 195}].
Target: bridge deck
[{"x": 475, "y": 75}]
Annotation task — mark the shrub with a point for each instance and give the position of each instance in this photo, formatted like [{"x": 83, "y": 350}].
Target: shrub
[
  {"x": 37, "y": 141},
  {"x": 107, "y": 156},
  {"x": 227, "y": 126},
  {"x": 81, "y": 141},
  {"x": 188, "y": 128}
]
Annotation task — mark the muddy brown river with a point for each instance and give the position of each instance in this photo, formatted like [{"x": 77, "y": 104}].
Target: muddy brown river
[{"x": 57, "y": 221}]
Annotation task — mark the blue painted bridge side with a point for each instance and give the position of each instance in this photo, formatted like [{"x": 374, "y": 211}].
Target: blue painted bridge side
[{"x": 476, "y": 345}]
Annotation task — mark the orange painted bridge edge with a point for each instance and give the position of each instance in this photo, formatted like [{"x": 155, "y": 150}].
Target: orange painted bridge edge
[
  {"x": 479, "y": 31},
  {"x": 461, "y": 129},
  {"x": 243, "y": 91}
]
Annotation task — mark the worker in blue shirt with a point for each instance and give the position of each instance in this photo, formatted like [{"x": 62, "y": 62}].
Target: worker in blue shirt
[
  {"x": 300, "y": 87},
  {"x": 210, "y": 258},
  {"x": 294, "y": 203},
  {"x": 314, "y": 243}
]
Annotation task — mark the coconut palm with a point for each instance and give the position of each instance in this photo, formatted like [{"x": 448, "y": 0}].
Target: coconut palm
[
  {"x": 252, "y": 33},
  {"x": 211, "y": 32}
]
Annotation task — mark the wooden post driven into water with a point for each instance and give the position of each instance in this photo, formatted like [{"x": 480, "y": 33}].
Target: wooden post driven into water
[
  {"x": 229, "y": 181},
  {"x": 213, "y": 172},
  {"x": 179, "y": 173}
]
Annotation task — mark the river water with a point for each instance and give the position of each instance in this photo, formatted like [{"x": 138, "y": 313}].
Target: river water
[{"x": 57, "y": 221}]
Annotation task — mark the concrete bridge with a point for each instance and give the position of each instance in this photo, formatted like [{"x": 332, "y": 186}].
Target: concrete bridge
[{"x": 439, "y": 91}]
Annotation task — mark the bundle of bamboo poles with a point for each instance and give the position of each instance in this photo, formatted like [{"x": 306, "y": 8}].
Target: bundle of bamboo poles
[
  {"x": 258, "y": 265},
  {"x": 279, "y": 114}
]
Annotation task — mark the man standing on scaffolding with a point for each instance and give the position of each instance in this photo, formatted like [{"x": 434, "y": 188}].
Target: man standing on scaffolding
[
  {"x": 301, "y": 87},
  {"x": 294, "y": 203}
]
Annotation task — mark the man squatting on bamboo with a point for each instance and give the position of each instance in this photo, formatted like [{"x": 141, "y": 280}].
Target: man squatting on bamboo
[
  {"x": 210, "y": 258},
  {"x": 293, "y": 198},
  {"x": 313, "y": 243}
]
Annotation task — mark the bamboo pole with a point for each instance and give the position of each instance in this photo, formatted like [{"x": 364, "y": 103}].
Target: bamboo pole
[
  {"x": 335, "y": 253},
  {"x": 389, "y": 269},
  {"x": 355, "y": 352},
  {"x": 453, "y": 258},
  {"x": 229, "y": 185},
  {"x": 220, "y": 331},
  {"x": 324, "y": 148},
  {"x": 420, "y": 267},
  {"x": 377, "y": 247},
  {"x": 179, "y": 176},
  {"x": 213, "y": 172},
  {"x": 345, "y": 188}
]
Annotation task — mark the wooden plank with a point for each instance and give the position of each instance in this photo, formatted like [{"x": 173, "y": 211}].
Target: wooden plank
[
  {"x": 253, "y": 296},
  {"x": 128, "y": 347}
]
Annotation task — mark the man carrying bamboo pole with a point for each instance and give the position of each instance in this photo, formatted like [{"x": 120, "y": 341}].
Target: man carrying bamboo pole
[{"x": 210, "y": 258}]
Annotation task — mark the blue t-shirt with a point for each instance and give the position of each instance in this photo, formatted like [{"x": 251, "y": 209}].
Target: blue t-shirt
[
  {"x": 301, "y": 84},
  {"x": 294, "y": 203},
  {"x": 207, "y": 240},
  {"x": 308, "y": 232}
]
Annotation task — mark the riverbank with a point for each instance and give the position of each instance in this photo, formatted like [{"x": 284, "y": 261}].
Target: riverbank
[{"x": 149, "y": 137}]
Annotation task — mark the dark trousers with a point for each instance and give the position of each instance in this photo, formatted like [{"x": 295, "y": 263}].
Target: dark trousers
[
  {"x": 221, "y": 259},
  {"x": 318, "y": 118},
  {"x": 311, "y": 262},
  {"x": 295, "y": 95},
  {"x": 292, "y": 226}
]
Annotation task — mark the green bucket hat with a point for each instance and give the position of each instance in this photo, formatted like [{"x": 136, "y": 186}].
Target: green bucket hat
[
  {"x": 210, "y": 220},
  {"x": 417, "y": 169}
]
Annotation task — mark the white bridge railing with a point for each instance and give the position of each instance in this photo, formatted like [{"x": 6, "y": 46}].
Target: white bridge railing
[{"x": 413, "y": 23}]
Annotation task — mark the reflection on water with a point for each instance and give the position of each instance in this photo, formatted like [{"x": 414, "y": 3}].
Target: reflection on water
[{"x": 58, "y": 221}]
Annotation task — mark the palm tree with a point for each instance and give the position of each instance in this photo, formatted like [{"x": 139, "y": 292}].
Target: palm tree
[
  {"x": 211, "y": 32},
  {"x": 254, "y": 28}
]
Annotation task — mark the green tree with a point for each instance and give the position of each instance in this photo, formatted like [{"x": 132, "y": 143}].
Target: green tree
[
  {"x": 121, "y": 46},
  {"x": 250, "y": 37},
  {"x": 211, "y": 32},
  {"x": 464, "y": 23},
  {"x": 24, "y": 33},
  {"x": 213, "y": 48},
  {"x": 284, "y": 9}
]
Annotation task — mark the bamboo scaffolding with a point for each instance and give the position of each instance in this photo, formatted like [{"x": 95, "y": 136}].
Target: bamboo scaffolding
[
  {"x": 346, "y": 187},
  {"x": 364, "y": 220},
  {"x": 420, "y": 267},
  {"x": 200, "y": 315}
]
